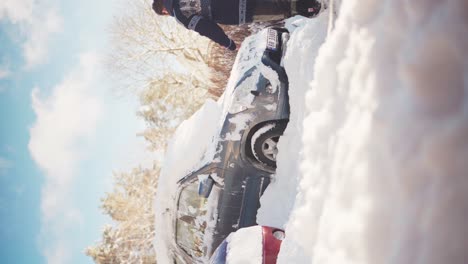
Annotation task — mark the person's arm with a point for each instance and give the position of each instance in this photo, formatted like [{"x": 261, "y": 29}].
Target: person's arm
[
  {"x": 211, "y": 30},
  {"x": 205, "y": 28}
]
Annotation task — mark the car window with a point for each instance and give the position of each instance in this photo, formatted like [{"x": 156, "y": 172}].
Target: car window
[{"x": 191, "y": 220}]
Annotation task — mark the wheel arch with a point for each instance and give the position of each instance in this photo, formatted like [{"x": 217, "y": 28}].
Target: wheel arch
[{"x": 246, "y": 147}]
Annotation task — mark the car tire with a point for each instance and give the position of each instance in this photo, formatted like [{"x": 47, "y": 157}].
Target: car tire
[{"x": 264, "y": 142}]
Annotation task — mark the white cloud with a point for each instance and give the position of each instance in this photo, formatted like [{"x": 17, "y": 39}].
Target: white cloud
[
  {"x": 37, "y": 22},
  {"x": 16, "y": 10},
  {"x": 59, "y": 255},
  {"x": 35, "y": 48},
  {"x": 65, "y": 119}
]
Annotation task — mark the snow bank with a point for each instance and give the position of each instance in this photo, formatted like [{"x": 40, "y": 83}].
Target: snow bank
[
  {"x": 384, "y": 171},
  {"x": 245, "y": 246},
  {"x": 307, "y": 35},
  {"x": 189, "y": 152}
]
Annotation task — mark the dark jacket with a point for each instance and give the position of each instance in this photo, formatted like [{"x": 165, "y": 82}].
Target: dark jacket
[{"x": 203, "y": 16}]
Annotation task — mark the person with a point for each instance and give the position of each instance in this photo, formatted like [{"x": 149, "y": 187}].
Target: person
[{"x": 203, "y": 16}]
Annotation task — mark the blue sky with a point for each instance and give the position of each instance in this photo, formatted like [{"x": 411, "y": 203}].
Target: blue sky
[{"x": 63, "y": 129}]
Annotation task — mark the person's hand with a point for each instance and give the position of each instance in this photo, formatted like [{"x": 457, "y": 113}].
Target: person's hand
[{"x": 232, "y": 45}]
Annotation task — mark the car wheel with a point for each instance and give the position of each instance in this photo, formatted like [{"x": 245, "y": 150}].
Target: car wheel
[{"x": 264, "y": 142}]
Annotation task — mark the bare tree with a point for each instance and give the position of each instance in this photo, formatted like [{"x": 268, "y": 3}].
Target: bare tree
[
  {"x": 144, "y": 46},
  {"x": 166, "y": 103},
  {"x": 130, "y": 205}
]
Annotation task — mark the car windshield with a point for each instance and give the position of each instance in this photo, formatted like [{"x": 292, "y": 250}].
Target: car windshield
[{"x": 191, "y": 220}]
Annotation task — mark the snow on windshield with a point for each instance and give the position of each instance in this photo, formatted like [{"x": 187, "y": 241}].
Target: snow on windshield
[{"x": 189, "y": 149}]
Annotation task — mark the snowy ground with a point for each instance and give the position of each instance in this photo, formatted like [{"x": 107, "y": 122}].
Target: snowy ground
[{"x": 373, "y": 166}]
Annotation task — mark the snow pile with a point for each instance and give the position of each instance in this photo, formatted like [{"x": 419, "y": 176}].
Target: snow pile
[
  {"x": 384, "y": 171},
  {"x": 245, "y": 246},
  {"x": 307, "y": 35}
]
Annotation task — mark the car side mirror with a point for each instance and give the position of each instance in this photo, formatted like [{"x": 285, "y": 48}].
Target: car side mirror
[{"x": 204, "y": 189}]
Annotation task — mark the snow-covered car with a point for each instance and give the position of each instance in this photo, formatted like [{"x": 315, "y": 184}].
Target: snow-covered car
[
  {"x": 223, "y": 195},
  {"x": 253, "y": 245}
]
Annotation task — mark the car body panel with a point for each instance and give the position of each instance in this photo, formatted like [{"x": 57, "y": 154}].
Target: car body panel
[{"x": 271, "y": 244}]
